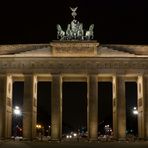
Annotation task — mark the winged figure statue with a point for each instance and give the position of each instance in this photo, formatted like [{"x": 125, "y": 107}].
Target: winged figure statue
[{"x": 74, "y": 11}]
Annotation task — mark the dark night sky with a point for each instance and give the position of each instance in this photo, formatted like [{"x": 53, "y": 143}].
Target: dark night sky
[{"x": 115, "y": 21}]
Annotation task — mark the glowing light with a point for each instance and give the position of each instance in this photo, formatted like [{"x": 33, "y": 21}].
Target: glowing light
[
  {"x": 17, "y": 107},
  {"x": 38, "y": 126},
  {"x": 135, "y": 111},
  {"x": 67, "y": 136},
  {"x": 74, "y": 134},
  {"x": 17, "y": 110}
]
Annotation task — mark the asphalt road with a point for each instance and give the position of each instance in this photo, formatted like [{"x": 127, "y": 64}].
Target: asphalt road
[{"x": 26, "y": 144}]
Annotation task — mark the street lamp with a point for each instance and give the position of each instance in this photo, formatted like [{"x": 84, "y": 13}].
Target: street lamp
[
  {"x": 17, "y": 111},
  {"x": 39, "y": 131},
  {"x": 49, "y": 130},
  {"x": 135, "y": 111}
]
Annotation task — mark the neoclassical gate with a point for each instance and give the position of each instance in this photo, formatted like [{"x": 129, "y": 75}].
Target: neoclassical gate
[{"x": 74, "y": 57}]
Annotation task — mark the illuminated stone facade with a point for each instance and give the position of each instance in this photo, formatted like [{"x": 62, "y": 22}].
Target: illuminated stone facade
[{"x": 60, "y": 61}]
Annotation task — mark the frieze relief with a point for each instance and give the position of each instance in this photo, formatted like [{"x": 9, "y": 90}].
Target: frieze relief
[
  {"x": 73, "y": 51},
  {"x": 74, "y": 44},
  {"x": 72, "y": 64}
]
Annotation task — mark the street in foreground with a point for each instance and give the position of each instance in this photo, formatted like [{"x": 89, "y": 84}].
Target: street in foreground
[{"x": 37, "y": 144}]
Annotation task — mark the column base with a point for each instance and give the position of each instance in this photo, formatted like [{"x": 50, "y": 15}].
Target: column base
[
  {"x": 121, "y": 139},
  {"x": 29, "y": 139},
  {"x": 56, "y": 140},
  {"x": 142, "y": 139},
  {"x": 92, "y": 140}
]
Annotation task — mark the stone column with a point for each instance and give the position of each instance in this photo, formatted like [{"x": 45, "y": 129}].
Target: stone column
[
  {"x": 30, "y": 107},
  {"x": 92, "y": 109},
  {"x": 5, "y": 106},
  {"x": 146, "y": 107},
  {"x": 56, "y": 108},
  {"x": 114, "y": 105},
  {"x": 121, "y": 108},
  {"x": 140, "y": 90}
]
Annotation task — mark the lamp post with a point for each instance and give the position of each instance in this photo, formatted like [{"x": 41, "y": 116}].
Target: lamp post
[
  {"x": 39, "y": 130},
  {"x": 134, "y": 127},
  {"x": 17, "y": 113},
  {"x": 49, "y": 130}
]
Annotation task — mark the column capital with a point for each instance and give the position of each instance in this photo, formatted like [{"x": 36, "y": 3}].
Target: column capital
[
  {"x": 55, "y": 73},
  {"x": 120, "y": 76},
  {"x": 30, "y": 75},
  {"x": 145, "y": 75},
  {"x": 92, "y": 73}
]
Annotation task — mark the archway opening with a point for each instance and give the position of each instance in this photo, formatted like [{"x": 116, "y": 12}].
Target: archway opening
[
  {"x": 17, "y": 105},
  {"x": 43, "y": 126},
  {"x": 74, "y": 110},
  {"x": 105, "y": 115},
  {"x": 131, "y": 107}
]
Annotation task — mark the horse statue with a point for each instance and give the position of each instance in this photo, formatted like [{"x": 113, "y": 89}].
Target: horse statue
[
  {"x": 74, "y": 28},
  {"x": 60, "y": 32},
  {"x": 80, "y": 32},
  {"x": 68, "y": 33},
  {"x": 90, "y": 33}
]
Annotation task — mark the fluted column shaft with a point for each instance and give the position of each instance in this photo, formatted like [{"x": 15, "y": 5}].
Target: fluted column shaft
[
  {"x": 5, "y": 106},
  {"x": 30, "y": 107},
  {"x": 56, "y": 108},
  {"x": 92, "y": 111},
  {"x": 121, "y": 108},
  {"x": 145, "y": 107}
]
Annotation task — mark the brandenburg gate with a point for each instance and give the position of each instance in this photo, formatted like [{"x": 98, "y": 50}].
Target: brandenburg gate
[{"x": 75, "y": 56}]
